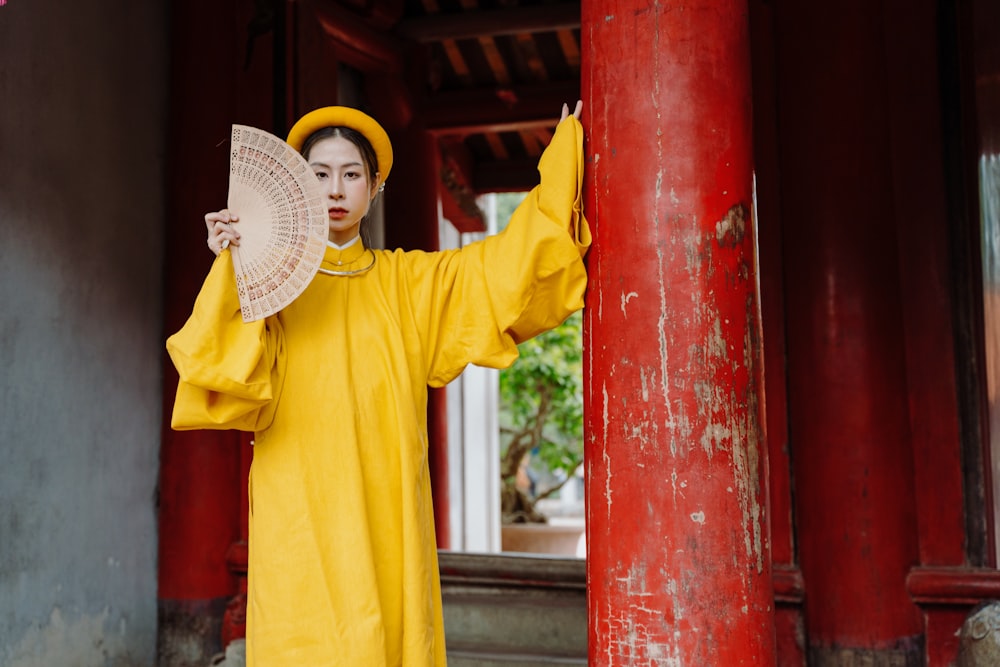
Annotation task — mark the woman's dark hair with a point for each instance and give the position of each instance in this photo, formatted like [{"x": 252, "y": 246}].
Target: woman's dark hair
[{"x": 367, "y": 156}]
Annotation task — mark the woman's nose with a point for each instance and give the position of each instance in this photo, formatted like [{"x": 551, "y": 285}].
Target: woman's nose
[{"x": 336, "y": 188}]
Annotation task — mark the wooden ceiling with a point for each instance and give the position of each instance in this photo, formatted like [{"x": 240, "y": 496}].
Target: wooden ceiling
[{"x": 487, "y": 77}]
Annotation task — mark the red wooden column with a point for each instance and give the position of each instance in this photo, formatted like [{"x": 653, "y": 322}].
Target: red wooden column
[
  {"x": 789, "y": 587},
  {"x": 201, "y": 475},
  {"x": 679, "y": 564},
  {"x": 848, "y": 386}
]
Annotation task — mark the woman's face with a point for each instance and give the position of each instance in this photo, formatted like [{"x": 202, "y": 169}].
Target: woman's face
[{"x": 338, "y": 165}]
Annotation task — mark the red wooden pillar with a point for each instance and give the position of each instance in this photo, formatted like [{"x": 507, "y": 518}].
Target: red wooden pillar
[
  {"x": 847, "y": 379},
  {"x": 788, "y": 584},
  {"x": 201, "y": 475},
  {"x": 679, "y": 564}
]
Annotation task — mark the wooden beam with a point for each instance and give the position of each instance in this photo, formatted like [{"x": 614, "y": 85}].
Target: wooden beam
[
  {"x": 508, "y": 109},
  {"x": 383, "y": 14},
  {"x": 313, "y": 81},
  {"x": 356, "y": 42},
  {"x": 491, "y": 22},
  {"x": 505, "y": 176},
  {"x": 458, "y": 200}
]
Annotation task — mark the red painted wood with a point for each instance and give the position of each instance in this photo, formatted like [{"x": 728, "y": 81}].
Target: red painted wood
[
  {"x": 437, "y": 434},
  {"x": 313, "y": 74},
  {"x": 849, "y": 414},
  {"x": 953, "y": 585},
  {"x": 508, "y": 20},
  {"x": 947, "y": 595},
  {"x": 940, "y": 628},
  {"x": 789, "y": 624},
  {"x": 789, "y": 587},
  {"x": 199, "y": 514},
  {"x": 678, "y": 554},
  {"x": 518, "y": 108},
  {"x": 458, "y": 198},
  {"x": 234, "y": 621},
  {"x": 790, "y": 640},
  {"x": 919, "y": 203},
  {"x": 771, "y": 281},
  {"x": 356, "y": 42},
  {"x": 199, "y": 490}
]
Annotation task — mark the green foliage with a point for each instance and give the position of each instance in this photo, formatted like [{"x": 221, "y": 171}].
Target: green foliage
[
  {"x": 541, "y": 413},
  {"x": 506, "y": 203},
  {"x": 541, "y": 407}
]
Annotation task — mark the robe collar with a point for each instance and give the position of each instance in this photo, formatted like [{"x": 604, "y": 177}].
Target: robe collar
[{"x": 343, "y": 258}]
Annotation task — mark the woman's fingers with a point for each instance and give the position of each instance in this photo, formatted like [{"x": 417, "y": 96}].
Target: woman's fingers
[
  {"x": 220, "y": 216},
  {"x": 221, "y": 230},
  {"x": 576, "y": 112}
]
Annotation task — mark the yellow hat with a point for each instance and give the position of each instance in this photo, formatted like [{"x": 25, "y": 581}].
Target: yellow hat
[{"x": 345, "y": 117}]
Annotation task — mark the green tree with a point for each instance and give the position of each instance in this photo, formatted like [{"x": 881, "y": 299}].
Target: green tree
[{"x": 541, "y": 414}]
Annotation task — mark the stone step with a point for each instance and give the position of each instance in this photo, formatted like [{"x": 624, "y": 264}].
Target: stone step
[
  {"x": 514, "y": 609},
  {"x": 459, "y": 658}
]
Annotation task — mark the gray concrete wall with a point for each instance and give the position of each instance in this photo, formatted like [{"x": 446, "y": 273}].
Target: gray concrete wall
[{"x": 82, "y": 117}]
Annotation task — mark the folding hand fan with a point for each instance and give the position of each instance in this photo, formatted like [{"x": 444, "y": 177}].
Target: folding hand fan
[{"x": 282, "y": 221}]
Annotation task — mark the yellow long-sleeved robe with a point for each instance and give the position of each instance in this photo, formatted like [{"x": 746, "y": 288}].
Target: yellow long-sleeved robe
[{"x": 343, "y": 564}]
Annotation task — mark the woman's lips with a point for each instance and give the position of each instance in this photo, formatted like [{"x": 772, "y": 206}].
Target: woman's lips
[{"x": 338, "y": 213}]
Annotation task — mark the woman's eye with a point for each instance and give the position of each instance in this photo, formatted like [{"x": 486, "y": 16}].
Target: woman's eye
[
  {"x": 320, "y": 175},
  {"x": 352, "y": 175}
]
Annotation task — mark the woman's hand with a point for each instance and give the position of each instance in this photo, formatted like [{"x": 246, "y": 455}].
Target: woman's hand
[
  {"x": 576, "y": 112},
  {"x": 221, "y": 233}
]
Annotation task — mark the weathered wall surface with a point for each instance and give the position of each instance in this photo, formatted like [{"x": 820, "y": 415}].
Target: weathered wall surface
[{"x": 81, "y": 225}]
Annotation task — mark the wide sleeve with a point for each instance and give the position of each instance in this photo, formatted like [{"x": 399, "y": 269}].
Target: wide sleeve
[
  {"x": 481, "y": 301},
  {"x": 230, "y": 371}
]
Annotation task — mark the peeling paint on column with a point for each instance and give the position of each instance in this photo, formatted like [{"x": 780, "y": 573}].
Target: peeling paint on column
[
  {"x": 721, "y": 390},
  {"x": 607, "y": 457},
  {"x": 625, "y": 299},
  {"x": 663, "y": 355},
  {"x": 752, "y": 512},
  {"x": 729, "y": 231},
  {"x": 716, "y": 385},
  {"x": 636, "y": 630},
  {"x": 731, "y": 421},
  {"x": 645, "y": 383},
  {"x": 678, "y": 566}
]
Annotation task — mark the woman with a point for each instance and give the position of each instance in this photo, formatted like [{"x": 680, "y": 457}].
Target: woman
[{"x": 343, "y": 564}]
